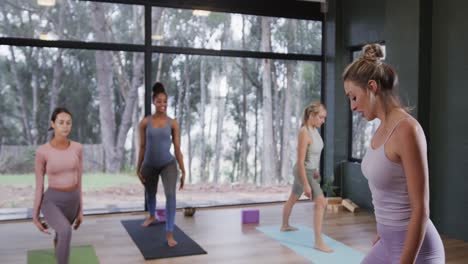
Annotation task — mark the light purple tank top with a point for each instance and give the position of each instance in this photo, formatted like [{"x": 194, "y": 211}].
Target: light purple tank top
[{"x": 387, "y": 183}]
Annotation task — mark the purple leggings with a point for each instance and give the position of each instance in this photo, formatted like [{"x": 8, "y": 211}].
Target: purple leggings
[{"x": 389, "y": 248}]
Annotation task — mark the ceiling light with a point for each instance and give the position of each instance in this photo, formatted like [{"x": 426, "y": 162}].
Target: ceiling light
[
  {"x": 198, "y": 12},
  {"x": 48, "y": 36},
  {"x": 46, "y": 2},
  {"x": 157, "y": 37}
]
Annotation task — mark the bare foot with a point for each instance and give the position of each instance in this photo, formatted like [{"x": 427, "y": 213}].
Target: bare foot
[
  {"x": 288, "y": 228},
  {"x": 170, "y": 239},
  {"x": 149, "y": 221},
  {"x": 322, "y": 247}
]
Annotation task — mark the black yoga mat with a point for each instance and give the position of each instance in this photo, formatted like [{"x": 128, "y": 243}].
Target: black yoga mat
[{"x": 152, "y": 240}]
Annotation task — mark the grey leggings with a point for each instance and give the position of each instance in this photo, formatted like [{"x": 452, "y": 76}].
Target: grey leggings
[
  {"x": 60, "y": 210},
  {"x": 169, "y": 175}
]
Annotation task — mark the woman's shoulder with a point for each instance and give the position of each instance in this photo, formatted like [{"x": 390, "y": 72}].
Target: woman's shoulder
[
  {"x": 408, "y": 128},
  {"x": 42, "y": 148},
  {"x": 76, "y": 145},
  {"x": 173, "y": 121},
  {"x": 304, "y": 132},
  {"x": 144, "y": 122},
  {"x": 405, "y": 121}
]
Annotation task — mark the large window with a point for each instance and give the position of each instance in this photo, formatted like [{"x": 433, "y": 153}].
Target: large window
[
  {"x": 39, "y": 79},
  {"x": 72, "y": 20},
  {"x": 224, "y": 31},
  {"x": 237, "y": 85}
]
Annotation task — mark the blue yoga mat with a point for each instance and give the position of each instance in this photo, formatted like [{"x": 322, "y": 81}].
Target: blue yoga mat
[{"x": 302, "y": 241}]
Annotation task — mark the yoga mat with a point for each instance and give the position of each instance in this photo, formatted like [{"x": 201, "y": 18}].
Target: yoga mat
[
  {"x": 78, "y": 255},
  {"x": 302, "y": 242},
  {"x": 151, "y": 241}
]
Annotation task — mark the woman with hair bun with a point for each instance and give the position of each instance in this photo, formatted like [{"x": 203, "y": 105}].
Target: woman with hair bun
[
  {"x": 395, "y": 165},
  {"x": 157, "y": 133},
  {"x": 62, "y": 203}
]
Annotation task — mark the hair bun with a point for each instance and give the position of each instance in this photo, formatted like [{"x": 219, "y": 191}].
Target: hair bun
[
  {"x": 373, "y": 52},
  {"x": 158, "y": 88}
]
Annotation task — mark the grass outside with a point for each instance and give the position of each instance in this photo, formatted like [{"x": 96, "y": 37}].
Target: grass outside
[
  {"x": 105, "y": 191},
  {"x": 91, "y": 181}
]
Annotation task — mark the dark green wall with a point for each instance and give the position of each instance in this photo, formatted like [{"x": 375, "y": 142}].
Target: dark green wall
[
  {"x": 448, "y": 121},
  {"x": 358, "y": 22},
  {"x": 356, "y": 185},
  {"x": 427, "y": 43}
]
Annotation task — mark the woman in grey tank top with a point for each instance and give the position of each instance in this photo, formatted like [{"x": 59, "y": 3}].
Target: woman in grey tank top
[
  {"x": 306, "y": 172},
  {"x": 157, "y": 133}
]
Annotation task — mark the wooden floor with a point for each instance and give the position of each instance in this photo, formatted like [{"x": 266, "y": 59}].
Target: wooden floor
[{"x": 218, "y": 231}]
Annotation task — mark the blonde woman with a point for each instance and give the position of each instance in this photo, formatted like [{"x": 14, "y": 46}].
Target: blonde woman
[
  {"x": 395, "y": 165},
  {"x": 306, "y": 171}
]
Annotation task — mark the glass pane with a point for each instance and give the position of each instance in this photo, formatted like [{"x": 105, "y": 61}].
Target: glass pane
[
  {"x": 103, "y": 90},
  {"x": 72, "y": 20},
  {"x": 362, "y": 135},
  {"x": 220, "y": 31},
  {"x": 221, "y": 105}
]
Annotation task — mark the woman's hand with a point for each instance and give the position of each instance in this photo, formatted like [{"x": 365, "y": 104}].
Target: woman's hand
[
  {"x": 41, "y": 226},
  {"x": 140, "y": 176},
  {"x": 316, "y": 175},
  {"x": 78, "y": 221},
  {"x": 182, "y": 181},
  {"x": 307, "y": 191},
  {"x": 376, "y": 239}
]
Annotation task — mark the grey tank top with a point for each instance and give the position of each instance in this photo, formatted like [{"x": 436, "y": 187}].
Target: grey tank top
[
  {"x": 312, "y": 159},
  {"x": 158, "y": 145},
  {"x": 387, "y": 183}
]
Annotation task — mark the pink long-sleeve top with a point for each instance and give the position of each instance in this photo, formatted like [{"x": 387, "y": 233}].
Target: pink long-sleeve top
[{"x": 64, "y": 169}]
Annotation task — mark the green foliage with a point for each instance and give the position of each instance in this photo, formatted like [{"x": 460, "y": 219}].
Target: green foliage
[
  {"x": 24, "y": 163},
  {"x": 328, "y": 186},
  {"x": 129, "y": 168}
]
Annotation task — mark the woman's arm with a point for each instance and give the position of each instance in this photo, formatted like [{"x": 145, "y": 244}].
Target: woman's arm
[
  {"x": 80, "y": 176},
  {"x": 413, "y": 156},
  {"x": 39, "y": 170},
  {"x": 141, "y": 152},
  {"x": 79, "y": 219},
  {"x": 178, "y": 152},
  {"x": 302, "y": 142}
]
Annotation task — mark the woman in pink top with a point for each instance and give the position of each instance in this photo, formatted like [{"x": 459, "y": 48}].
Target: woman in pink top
[
  {"x": 395, "y": 165},
  {"x": 61, "y": 159}
]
